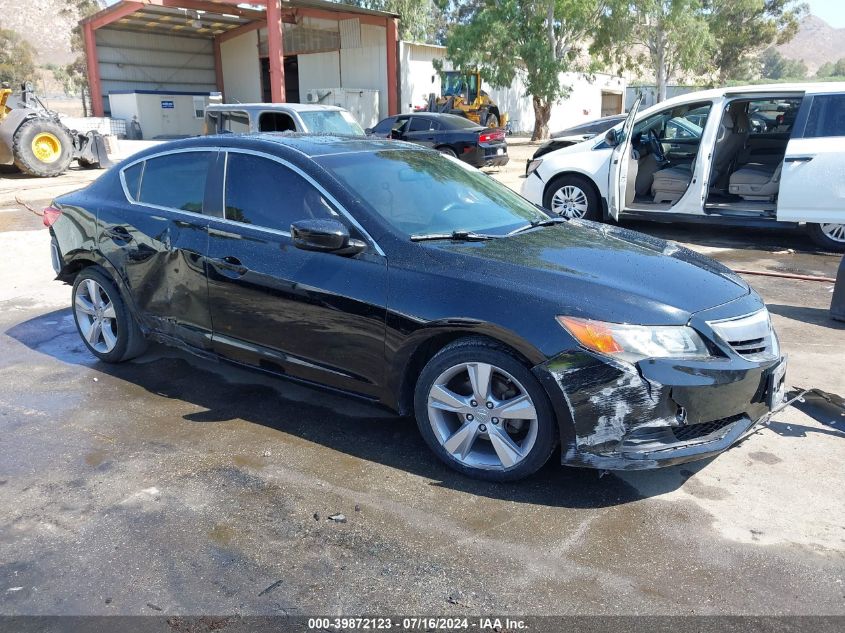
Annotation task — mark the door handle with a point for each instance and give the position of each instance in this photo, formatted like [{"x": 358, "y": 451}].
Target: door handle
[
  {"x": 118, "y": 233},
  {"x": 798, "y": 159},
  {"x": 230, "y": 266}
]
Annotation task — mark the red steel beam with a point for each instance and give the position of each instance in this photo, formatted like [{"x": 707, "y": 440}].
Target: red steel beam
[
  {"x": 218, "y": 68},
  {"x": 240, "y": 30},
  {"x": 392, "y": 67},
  {"x": 112, "y": 14},
  {"x": 93, "y": 64},
  {"x": 276, "y": 51}
]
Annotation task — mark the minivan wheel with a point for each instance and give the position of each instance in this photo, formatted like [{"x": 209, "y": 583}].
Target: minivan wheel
[
  {"x": 483, "y": 412},
  {"x": 102, "y": 319},
  {"x": 829, "y": 236},
  {"x": 573, "y": 197}
]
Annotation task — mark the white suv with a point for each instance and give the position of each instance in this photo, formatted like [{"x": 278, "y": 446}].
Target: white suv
[{"x": 754, "y": 155}]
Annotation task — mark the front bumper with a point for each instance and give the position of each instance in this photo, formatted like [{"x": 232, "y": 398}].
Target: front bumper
[
  {"x": 661, "y": 412},
  {"x": 532, "y": 189}
]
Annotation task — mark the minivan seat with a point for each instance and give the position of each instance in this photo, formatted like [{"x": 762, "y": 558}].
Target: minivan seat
[
  {"x": 670, "y": 184},
  {"x": 756, "y": 182},
  {"x": 733, "y": 135}
]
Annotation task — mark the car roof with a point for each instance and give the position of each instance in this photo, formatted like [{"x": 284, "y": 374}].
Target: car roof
[
  {"x": 279, "y": 107},
  {"x": 311, "y": 145}
]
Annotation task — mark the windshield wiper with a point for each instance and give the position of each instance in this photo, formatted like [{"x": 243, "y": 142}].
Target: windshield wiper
[
  {"x": 458, "y": 236},
  {"x": 535, "y": 223}
]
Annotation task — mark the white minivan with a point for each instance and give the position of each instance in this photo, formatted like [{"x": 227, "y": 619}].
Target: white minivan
[{"x": 753, "y": 155}]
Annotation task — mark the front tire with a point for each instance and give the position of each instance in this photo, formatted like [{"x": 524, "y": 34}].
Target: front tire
[
  {"x": 483, "y": 413},
  {"x": 829, "y": 236},
  {"x": 42, "y": 147},
  {"x": 573, "y": 197},
  {"x": 102, "y": 318}
]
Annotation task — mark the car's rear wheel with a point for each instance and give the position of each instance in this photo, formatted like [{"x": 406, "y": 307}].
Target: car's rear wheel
[
  {"x": 447, "y": 151},
  {"x": 483, "y": 413},
  {"x": 829, "y": 236},
  {"x": 102, "y": 318},
  {"x": 572, "y": 197}
]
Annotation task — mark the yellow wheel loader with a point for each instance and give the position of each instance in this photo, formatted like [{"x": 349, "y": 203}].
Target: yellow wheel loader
[
  {"x": 34, "y": 139},
  {"x": 461, "y": 94}
]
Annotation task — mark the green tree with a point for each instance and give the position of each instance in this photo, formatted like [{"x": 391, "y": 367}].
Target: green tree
[
  {"x": 536, "y": 39},
  {"x": 831, "y": 69},
  {"x": 74, "y": 76},
  {"x": 416, "y": 17},
  {"x": 671, "y": 37},
  {"x": 742, "y": 28},
  {"x": 773, "y": 65},
  {"x": 16, "y": 59}
]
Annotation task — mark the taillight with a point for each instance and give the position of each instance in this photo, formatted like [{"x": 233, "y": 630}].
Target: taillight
[
  {"x": 50, "y": 215},
  {"x": 493, "y": 135}
]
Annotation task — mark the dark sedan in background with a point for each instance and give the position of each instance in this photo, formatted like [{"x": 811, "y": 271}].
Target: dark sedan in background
[
  {"x": 449, "y": 134},
  {"x": 388, "y": 272},
  {"x": 575, "y": 134}
]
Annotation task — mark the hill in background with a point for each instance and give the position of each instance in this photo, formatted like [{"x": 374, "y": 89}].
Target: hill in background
[{"x": 815, "y": 44}]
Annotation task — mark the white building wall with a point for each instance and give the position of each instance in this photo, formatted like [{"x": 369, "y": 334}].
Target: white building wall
[
  {"x": 241, "y": 69},
  {"x": 583, "y": 104},
  {"x": 151, "y": 61},
  {"x": 318, "y": 70},
  {"x": 366, "y": 67},
  {"x": 155, "y": 120}
]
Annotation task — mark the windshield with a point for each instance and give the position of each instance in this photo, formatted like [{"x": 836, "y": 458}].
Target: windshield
[
  {"x": 423, "y": 193},
  {"x": 331, "y": 122}
]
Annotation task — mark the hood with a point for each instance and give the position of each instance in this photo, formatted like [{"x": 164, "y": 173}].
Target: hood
[{"x": 599, "y": 271}]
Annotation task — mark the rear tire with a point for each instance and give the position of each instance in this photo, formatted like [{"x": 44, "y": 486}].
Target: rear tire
[
  {"x": 42, "y": 147},
  {"x": 829, "y": 236},
  {"x": 573, "y": 197},
  {"x": 447, "y": 151},
  {"x": 483, "y": 413},
  {"x": 102, "y": 318}
]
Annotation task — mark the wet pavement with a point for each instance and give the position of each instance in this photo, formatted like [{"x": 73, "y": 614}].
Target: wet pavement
[{"x": 175, "y": 485}]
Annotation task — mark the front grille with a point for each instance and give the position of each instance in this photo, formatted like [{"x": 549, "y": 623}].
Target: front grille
[
  {"x": 750, "y": 336},
  {"x": 698, "y": 431}
]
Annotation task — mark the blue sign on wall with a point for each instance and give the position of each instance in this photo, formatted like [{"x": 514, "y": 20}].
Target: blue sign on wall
[{"x": 167, "y": 105}]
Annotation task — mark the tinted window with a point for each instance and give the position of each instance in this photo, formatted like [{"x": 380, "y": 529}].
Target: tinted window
[
  {"x": 419, "y": 124},
  {"x": 265, "y": 193},
  {"x": 132, "y": 176},
  {"x": 455, "y": 122},
  {"x": 275, "y": 122},
  {"x": 384, "y": 126},
  {"x": 420, "y": 192},
  {"x": 827, "y": 116},
  {"x": 176, "y": 181}
]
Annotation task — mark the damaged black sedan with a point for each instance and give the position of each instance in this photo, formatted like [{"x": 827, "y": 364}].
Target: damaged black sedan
[{"x": 392, "y": 273}]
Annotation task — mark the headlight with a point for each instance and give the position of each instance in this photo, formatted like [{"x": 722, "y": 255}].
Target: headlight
[
  {"x": 533, "y": 165},
  {"x": 636, "y": 342}
]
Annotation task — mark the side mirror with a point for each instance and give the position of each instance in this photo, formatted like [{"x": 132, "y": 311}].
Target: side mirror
[
  {"x": 325, "y": 236},
  {"x": 613, "y": 137}
]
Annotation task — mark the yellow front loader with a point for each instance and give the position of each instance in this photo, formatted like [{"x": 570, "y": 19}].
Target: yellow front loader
[
  {"x": 34, "y": 139},
  {"x": 461, "y": 94}
]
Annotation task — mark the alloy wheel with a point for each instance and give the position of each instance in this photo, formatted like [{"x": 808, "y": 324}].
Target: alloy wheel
[
  {"x": 835, "y": 232},
  {"x": 570, "y": 202},
  {"x": 96, "y": 316},
  {"x": 482, "y": 416}
]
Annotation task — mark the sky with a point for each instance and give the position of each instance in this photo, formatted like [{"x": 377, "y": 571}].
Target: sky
[{"x": 831, "y": 11}]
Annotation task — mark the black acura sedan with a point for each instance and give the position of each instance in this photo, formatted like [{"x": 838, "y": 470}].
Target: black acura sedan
[
  {"x": 449, "y": 134},
  {"x": 392, "y": 273}
]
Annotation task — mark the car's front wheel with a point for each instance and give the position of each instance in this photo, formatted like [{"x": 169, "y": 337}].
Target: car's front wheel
[
  {"x": 573, "y": 197},
  {"x": 483, "y": 412},
  {"x": 829, "y": 236},
  {"x": 103, "y": 319}
]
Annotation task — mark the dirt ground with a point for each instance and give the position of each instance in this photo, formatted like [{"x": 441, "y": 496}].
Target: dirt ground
[{"x": 172, "y": 485}]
